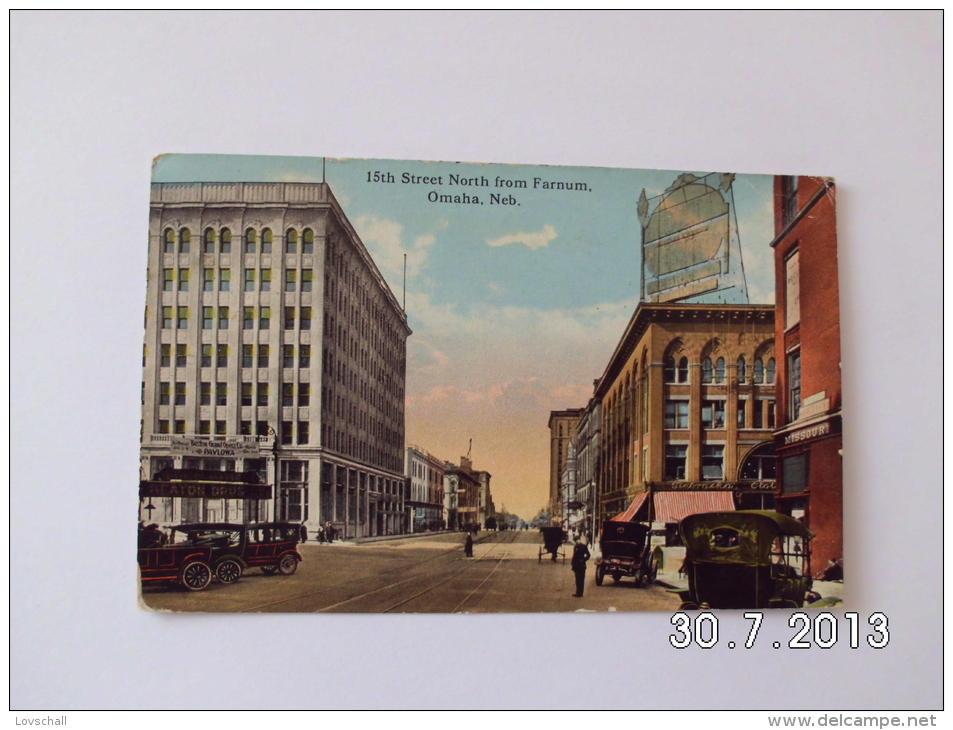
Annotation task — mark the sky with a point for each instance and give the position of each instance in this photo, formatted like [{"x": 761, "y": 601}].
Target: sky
[{"x": 515, "y": 307}]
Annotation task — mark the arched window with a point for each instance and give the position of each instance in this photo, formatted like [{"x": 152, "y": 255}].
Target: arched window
[
  {"x": 169, "y": 241},
  {"x": 225, "y": 241},
  {"x": 291, "y": 241},
  {"x": 251, "y": 240},
  {"x": 185, "y": 239},
  {"x": 670, "y": 372},
  {"x": 267, "y": 238},
  {"x": 706, "y": 370},
  {"x": 683, "y": 370},
  {"x": 742, "y": 369},
  {"x": 208, "y": 244},
  {"x": 308, "y": 246},
  {"x": 720, "y": 370},
  {"x": 758, "y": 371},
  {"x": 771, "y": 371}
]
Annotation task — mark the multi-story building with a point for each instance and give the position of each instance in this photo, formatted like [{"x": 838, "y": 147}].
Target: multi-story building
[
  {"x": 688, "y": 409},
  {"x": 425, "y": 498},
  {"x": 562, "y": 428},
  {"x": 809, "y": 438},
  {"x": 588, "y": 463},
  {"x": 466, "y": 495},
  {"x": 272, "y": 345},
  {"x": 572, "y": 514}
]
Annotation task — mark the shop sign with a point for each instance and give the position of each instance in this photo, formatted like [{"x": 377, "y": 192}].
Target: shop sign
[
  {"x": 204, "y": 490},
  {"x": 821, "y": 429},
  {"x": 222, "y": 449}
]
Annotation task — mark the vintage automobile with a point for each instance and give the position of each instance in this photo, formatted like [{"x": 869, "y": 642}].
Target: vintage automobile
[
  {"x": 179, "y": 562},
  {"x": 745, "y": 559},
  {"x": 225, "y": 540},
  {"x": 627, "y": 551},
  {"x": 273, "y": 547},
  {"x": 553, "y": 539}
]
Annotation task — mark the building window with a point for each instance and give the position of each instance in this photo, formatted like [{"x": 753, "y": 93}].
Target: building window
[
  {"x": 262, "y": 395},
  {"x": 183, "y": 314},
  {"x": 770, "y": 372},
  {"x": 208, "y": 279},
  {"x": 713, "y": 462},
  {"x": 181, "y": 355},
  {"x": 264, "y": 320},
  {"x": 221, "y": 394},
  {"x": 707, "y": 371},
  {"x": 246, "y": 394},
  {"x": 246, "y": 428},
  {"x": 169, "y": 244},
  {"x": 205, "y": 394},
  {"x": 261, "y": 428},
  {"x": 676, "y": 458},
  {"x": 305, "y": 318},
  {"x": 248, "y": 356},
  {"x": 205, "y": 428},
  {"x": 289, "y": 318},
  {"x": 303, "y": 432},
  {"x": 248, "y": 321},
  {"x": 304, "y": 356},
  {"x": 304, "y": 394},
  {"x": 759, "y": 371},
  {"x": 167, "y": 318},
  {"x": 185, "y": 240},
  {"x": 676, "y": 414},
  {"x": 794, "y": 474},
  {"x": 220, "y": 428},
  {"x": 266, "y": 279},
  {"x": 267, "y": 238},
  {"x": 222, "y": 356},
  {"x": 307, "y": 277},
  {"x": 168, "y": 280},
  {"x": 163, "y": 426},
  {"x": 251, "y": 241},
  {"x": 208, "y": 241},
  {"x": 180, "y": 427},
  {"x": 226, "y": 242},
  {"x": 207, "y": 318},
  {"x": 794, "y": 385},
  {"x": 308, "y": 246},
  {"x": 263, "y": 353},
  {"x": 180, "y": 394},
  {"x": 287, "y": 434},
  {"x": 671, "y": 372},
  {"x": 249, "y": 280},
  {"x": 788, "y": 198},
  {"x": 224, "y": 279},
  {"x": 291, "y": 278},
  {"x": 291, "y": 241},
  {"x": 720, "y": 370},
  {"x": 288, "y": 395},
  {"x": 288, "y": 356},
  {"x": 792, "y": 290},
  {"x": 771, "y": 414},
  {"x": 742, "y": 370},
  {"x": 741, "y": 413},
  {"x": 713, "y": 414},
  {"x": 165, "y": 355},
  {"x": 164, "y": 394},
  {"x": 223, "y": 318},
  {"x": 758, "y": 414}
]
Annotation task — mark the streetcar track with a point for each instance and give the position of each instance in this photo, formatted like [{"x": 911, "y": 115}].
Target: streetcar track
[{"x": 339, "y": 586}]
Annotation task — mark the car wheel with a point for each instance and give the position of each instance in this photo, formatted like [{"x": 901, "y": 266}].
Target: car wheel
[
  {"x": 195, "y": 575},
  {"x": 600, "y": 575},
  {"x": 228, "y": 571},
  {"x": 288, "y": 564}
]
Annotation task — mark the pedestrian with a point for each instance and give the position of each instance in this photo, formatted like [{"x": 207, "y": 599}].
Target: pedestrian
[
  {"x": 303, "y": 533},
  {"x": 329, "y": 531},
  {"x": 468, "y": 546},
  {"x": 580, "y": 554}
]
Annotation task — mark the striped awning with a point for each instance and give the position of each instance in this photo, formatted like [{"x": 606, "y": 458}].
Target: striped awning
[
  {"x": 630, "y": 513},
  {"x": 676, "y": 506}
]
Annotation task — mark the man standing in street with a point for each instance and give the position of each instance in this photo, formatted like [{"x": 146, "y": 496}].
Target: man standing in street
[{"x": 580, "y": 555}]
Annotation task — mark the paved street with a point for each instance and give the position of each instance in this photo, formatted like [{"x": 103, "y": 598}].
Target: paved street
[{"x": 420, "y": 575}]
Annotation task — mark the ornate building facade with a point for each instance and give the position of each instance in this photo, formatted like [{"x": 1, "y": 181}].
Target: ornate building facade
[
  {"x": 273, "y": 346},
  {"x": 562, "y": 429},
  {"x": 425, "y": 498}
]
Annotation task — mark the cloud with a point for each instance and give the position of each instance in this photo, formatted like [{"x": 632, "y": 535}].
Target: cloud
[
  {"x": 384, "y": 239},
  {"x": 539, "y": 239}
]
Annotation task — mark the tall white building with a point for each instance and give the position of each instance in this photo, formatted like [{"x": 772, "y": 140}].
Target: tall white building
[{"x": 270, "y": 337}]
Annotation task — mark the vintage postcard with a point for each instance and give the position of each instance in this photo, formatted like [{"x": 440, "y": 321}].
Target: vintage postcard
[{"x": 402, "y": 386}]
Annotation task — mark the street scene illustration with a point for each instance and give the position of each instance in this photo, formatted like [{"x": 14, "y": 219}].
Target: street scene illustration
[{"x": 402, "y": 386}]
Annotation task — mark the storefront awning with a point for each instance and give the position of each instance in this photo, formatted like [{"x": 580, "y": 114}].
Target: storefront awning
[
  {"x": 676, "y": 506},
  {"x": 630, "y": 513}
]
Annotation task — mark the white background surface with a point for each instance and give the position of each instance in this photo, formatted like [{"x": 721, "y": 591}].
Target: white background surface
[{"x": 95, "y": 95}]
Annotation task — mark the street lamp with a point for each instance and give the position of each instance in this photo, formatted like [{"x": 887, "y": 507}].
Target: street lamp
[{"x": 274, "y": 450}]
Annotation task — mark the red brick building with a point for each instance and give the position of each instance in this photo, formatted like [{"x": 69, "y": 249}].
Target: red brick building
[{"x": 808, "y": 439}]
